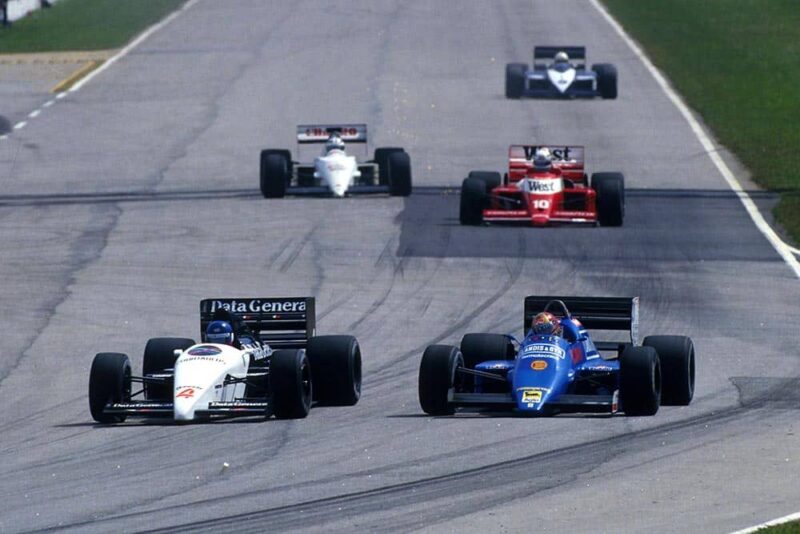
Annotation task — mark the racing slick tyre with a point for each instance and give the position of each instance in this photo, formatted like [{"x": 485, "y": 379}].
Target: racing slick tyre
[
  {"x": 290, "y": 383},
  {"x": 275, "y": 174},
  {"x": 477, "y": 348},
  {"x": 473, "y": 198},
  {"x": 382, "y": 159},
  {"x": 492, "y": 179},
  {"x": 676, "y": 354},
  {"x": 335, "y": 369},
  {"x": 437, "y": 374},
  {"x": 109, "y": 381},
  {"x": 640, "y": 380},
  {"x": 399, "y": 165},
  {"x": 606, "y": 80},
  {"x": 159, "y": 354},
  {"x": 610, "y": 189},
  {"x": 515, "y": 79}
]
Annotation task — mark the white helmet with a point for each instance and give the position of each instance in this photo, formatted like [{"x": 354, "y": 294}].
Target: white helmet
[
  {"x": 561, "y": 57},
  {"x": 334, "y": 142},
  {"x": 542, "y": 160}
]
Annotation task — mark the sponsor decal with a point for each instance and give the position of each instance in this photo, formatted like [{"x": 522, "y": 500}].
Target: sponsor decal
[
  {"x": 209, "y": 359},
  {"x": 140, "y": 405},
  {"x": 542, "y": 186},
  {"x": 577, "y": 354},
  {"x": 258, "y": 306},
  {"x": 540, "y": 350},
  {"x": 557, "y": 153},
  {"x": 539, "y": 365},
  {"x": 333, "y": 167},
  {"x": 532, "y": 395},
  {"x": 205, "y": 350},
  {"x": 185, "y": 393}
]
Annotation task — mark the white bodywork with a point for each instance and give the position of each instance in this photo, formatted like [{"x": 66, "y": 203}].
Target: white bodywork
[
  {"x": 201, "y": 372},
  {"x": 562, "y": 78},
  {"x": 337, "y": 171}
]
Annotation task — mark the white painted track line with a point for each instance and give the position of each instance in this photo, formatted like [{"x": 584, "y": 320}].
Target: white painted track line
[
  {"x": 786, "y": 252},
  {"x": 774, "y": 522},
  {"x": 133, "y": 44}
]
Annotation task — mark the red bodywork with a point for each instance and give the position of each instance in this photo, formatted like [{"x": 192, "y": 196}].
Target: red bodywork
[{"x": 559, "y": 195}]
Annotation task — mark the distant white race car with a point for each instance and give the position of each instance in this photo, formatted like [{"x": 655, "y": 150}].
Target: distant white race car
[
  {"x": 272, "y": 364},
  {"x": 335, "y": 172}
]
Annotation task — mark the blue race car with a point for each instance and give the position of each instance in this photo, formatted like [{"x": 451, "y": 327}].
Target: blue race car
[{"x": 562, "y": 371}]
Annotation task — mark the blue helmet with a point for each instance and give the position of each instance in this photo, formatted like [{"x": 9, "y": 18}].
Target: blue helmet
[{"x": 219, "y": 332}]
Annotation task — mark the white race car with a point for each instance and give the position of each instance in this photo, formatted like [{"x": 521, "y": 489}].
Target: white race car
[
  {"x": 335, "y": 172},
  {"x": 266, "y": 361}
]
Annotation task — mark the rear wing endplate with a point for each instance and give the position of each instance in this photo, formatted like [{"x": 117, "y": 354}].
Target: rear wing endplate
[
  {"x": 319, "y": 133},
  {"x": 279, "y": 322},
  {"x": 549, "y": 52},
  {"x": 595, "y": 313}
]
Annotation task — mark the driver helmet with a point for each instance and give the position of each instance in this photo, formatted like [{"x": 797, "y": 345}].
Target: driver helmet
[
  {"x": 334, "y": 142},
  {"x": 561, "y": 57},
  {"x": 219, "y": 332},
  {"x": 542, "y": 160},
  {"x": 546, "y": 324}
]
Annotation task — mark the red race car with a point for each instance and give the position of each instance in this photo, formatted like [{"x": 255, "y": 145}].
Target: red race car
[{"x": 544, "y": 185}]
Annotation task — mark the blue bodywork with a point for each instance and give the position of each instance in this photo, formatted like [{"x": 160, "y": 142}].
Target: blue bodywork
[{"x": 549, "y": 374}]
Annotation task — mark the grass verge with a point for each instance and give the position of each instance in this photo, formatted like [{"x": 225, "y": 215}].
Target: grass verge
[
  {"x": 786, "y": 528},
  {"x": 735, "y": 62},
  {"x": 83, "y": 25}
]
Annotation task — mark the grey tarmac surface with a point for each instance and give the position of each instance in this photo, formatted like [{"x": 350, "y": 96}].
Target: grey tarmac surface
[{"x": 126, "y": 203}]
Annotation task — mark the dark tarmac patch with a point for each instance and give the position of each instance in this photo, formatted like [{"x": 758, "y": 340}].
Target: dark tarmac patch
[
  {"x": 765, "y": 391},
  {"x": 686, "y": 225},
  {"x": 5, "y": 125}
]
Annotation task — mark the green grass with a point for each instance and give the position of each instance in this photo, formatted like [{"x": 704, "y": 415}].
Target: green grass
[
  {"x": 736, "y": 63},
  {"x": 83, "y": 25},
  {"x": 786, "y": 528}
]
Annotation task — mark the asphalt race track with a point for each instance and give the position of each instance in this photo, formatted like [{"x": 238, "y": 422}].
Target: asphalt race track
[{"x": 129, "y": 201}]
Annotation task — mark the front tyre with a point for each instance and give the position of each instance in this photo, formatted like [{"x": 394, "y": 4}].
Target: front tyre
[
  {"x": 275, "y": 173},
  {"x": 640, "y": 380},
  {"x": 677, "y": 368},
  {"x": 335, "y": 369},
  {"x": 437, "y": 375},
  {"x": 399, "y": 165},
  {"x": 610, "y": 189},
  {"x": 515, "y": 79},
  {"x": 290, "y": 384},
  {"x": 109, "y": 382},
  {"x": 606, "y": 80},
  {"x": 473, "y": 198}
]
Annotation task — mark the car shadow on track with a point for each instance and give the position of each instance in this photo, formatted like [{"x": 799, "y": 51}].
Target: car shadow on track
[{"x": 660, "y": 225}]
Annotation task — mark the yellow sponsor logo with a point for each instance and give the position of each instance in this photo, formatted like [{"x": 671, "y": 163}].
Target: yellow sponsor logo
[{"x": 532, "y": 395}]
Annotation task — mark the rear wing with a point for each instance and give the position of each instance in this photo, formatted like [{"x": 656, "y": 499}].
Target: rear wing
[
  {"x": 596, "y": 313},
  {"x": 549, "y": 52},
  {"x": 278, "y": 322},
  {"x": 522, "y": 155},
  {"x": 319, "y": 133}
]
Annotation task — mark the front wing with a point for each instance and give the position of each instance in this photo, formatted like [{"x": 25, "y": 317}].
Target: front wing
[
  {"x": 165, "y": 409},
  {"x": 565, "y": 403}
]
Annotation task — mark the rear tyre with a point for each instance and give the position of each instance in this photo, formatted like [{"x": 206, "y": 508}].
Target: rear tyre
[
  {"x": 382, "y": 159},
  {"x": 490, "y": 178},
  {"x": 399, "y": 164},
  {"x": 515, "y": 79},
  {"x": 610, "y": 189},
  {"x": 437, "y": 374},
  {"x": 473, "y": 198},
  {"x": 275, "y": 174},
  {"x": 606, "y": 80},
  {"x": 335, "y": 369},
  {"x": 109, "y": 382},
  {"x": 477, "y": 348},
  {"x": 676, "y": 354},
  {"x": 640, "y": 381},
  {"x": 159, "y": 354},
  {"x": 290, "y": 384}
]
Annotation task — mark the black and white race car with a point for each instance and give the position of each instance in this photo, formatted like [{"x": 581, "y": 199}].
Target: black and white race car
[
  {"x": 272, "y": 364},
  {"x": 336, "y": 171},
  {"x": 562, "y": 74}
]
